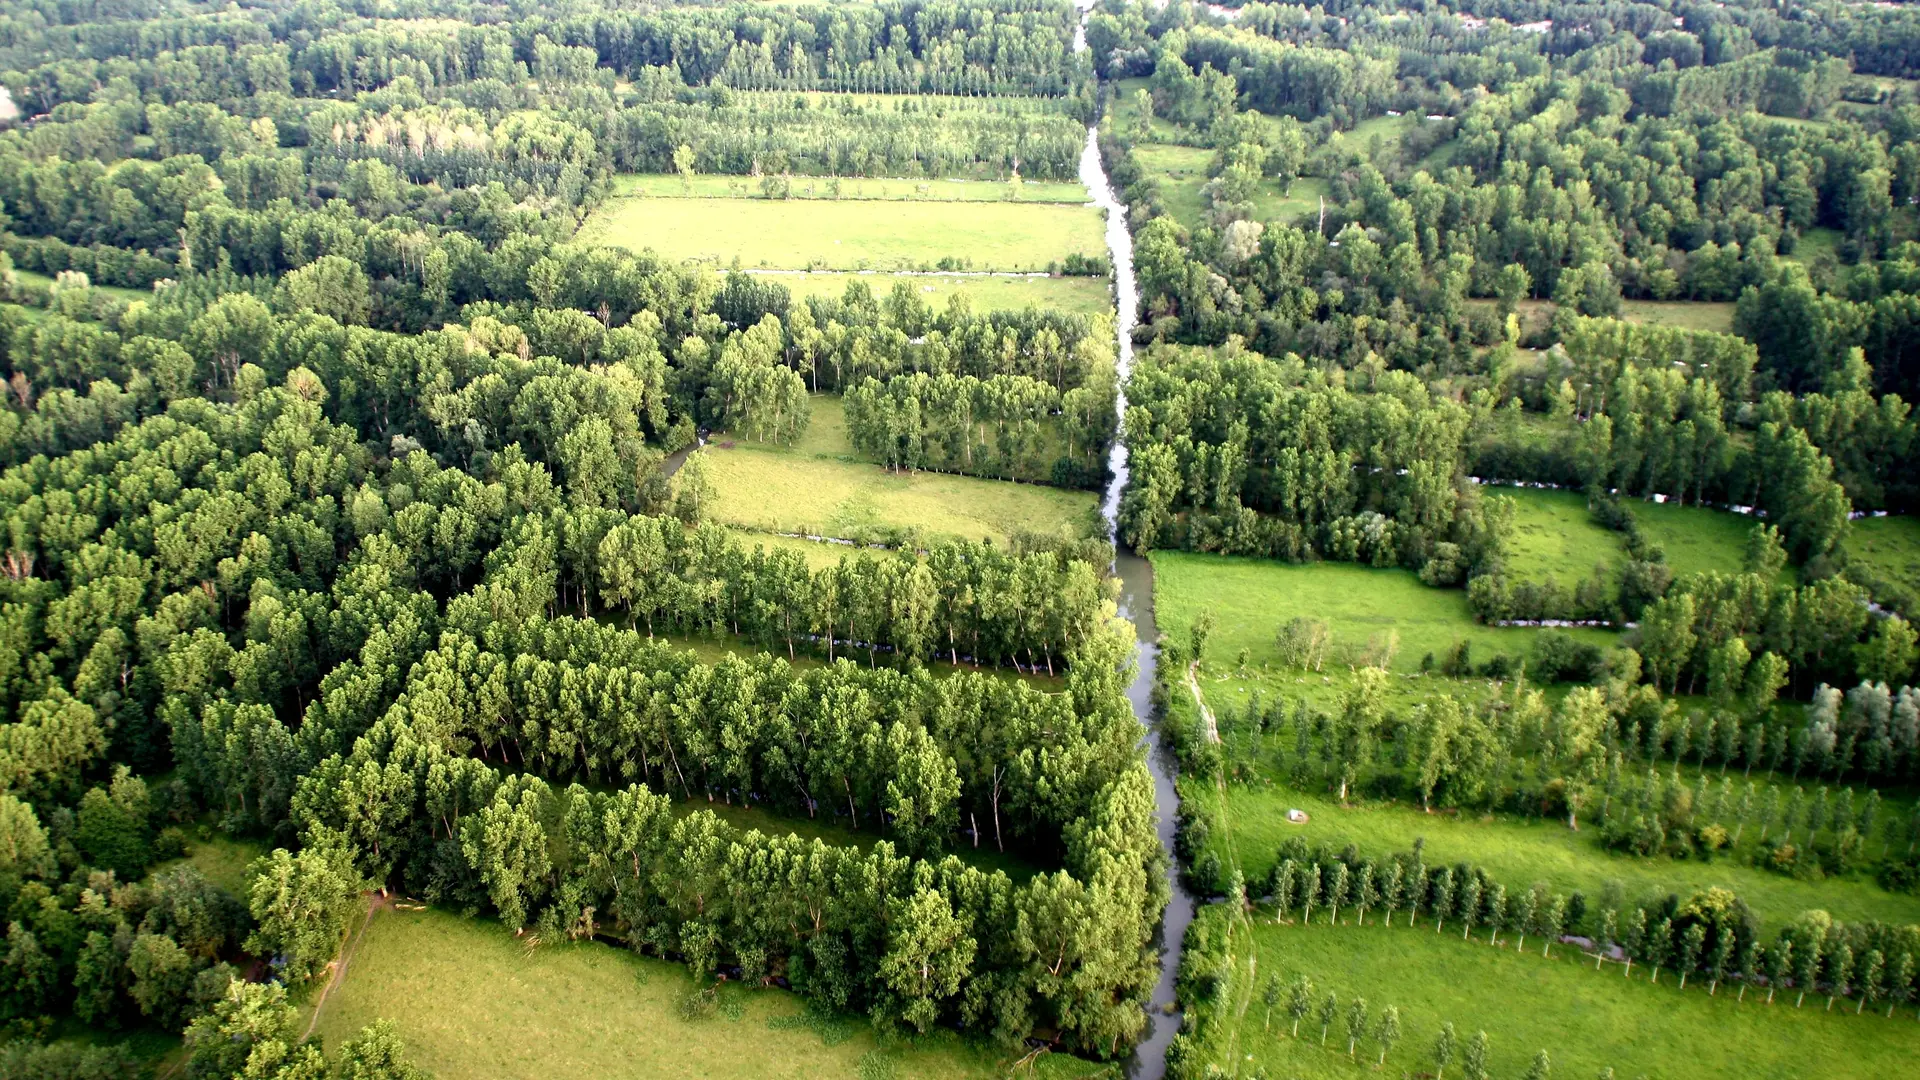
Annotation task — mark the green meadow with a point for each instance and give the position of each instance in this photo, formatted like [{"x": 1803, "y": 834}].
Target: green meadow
[
  {"x": 1586, "y": 1020},
  {"x": 850, "y": 235},
  {"x": 472, "y": 1000}
]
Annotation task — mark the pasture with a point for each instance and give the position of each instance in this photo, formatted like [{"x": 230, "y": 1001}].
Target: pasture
[
  {"x": 775, "y": 489},
  {"x": 473, "y": 1000},
  {"x": 1252, "y": 598},
  {"x": 1887, "y": 549},
  {"x": 850, "y": 235},
  {"x": 1519, "y": 850},
  {"x": 1586, "y": 1020},
  {"x": 1555, "y": 534}
]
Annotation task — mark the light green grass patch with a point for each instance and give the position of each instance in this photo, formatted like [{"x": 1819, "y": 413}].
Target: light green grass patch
[
  {"x": 770, "y": 489},
  {"x": 1182, "y": 171},
  {"x": 1554, "y": 533},
  {"x": 1586, "y": 1020},
  {"x": 1379, "y": 136},
  {"x": 850, "y": 235},
  {"x": 851, "y": 189},
  {"x": 1252, "y": 598},
  {"x": 223, "y": 859},
  {"x": 1536, "y": 316},
  {"x": 1815, "y": 242},
  {"x": 1518, "y": 851},
  {"x": 1888, "y": 547},
  {"x": 1076, "y": 295},
  {"x": 472, "y": 1001},
  {"x": 1697, "y": 539},
  {"x": 1681, "y": 314},
  {"x": 34, "y": 277}
]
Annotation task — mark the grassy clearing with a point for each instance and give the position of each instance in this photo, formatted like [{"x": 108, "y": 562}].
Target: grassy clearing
[
  {"x": 1889, "y": 547},
  {"x": 1536, "y": 316},
  {"x": 1554, "y": 533},
  {"x": 1077, "y": 295},
  {"x": 1520, "y": 850},
  {"x": 850, "y": 235},
  {"x": 1252, "y": 598},
  {"x": 771, "y": 489},
  {"x": 852, "y": 188},
  {"x": 1696, "y": 539},
  {"x": 1815, "y": 242},
  {"x": 34, "y": 277},
  {"x": 1379, "y": 137},
  {"x": 1683, "y": 314},
  {"x": 473, "y": 1001},
  {"x": 1586, "y": 1020},
  {"x": 223, "y": 859},
  {"x": 819, "y": 555},
  {"x": 1182, "y": 171},
  {"x": 821, "y": 486}
]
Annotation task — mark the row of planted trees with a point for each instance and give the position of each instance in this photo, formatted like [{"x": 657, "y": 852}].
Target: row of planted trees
[{"x": 1712, "y": 936}]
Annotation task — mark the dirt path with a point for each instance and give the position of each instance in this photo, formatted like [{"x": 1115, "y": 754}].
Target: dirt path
[{"x": 375, "y": 904}]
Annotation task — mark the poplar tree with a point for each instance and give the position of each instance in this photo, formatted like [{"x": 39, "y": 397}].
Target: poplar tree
[
  {"x": 1388, "y": 1032},
  {"x": 1356, "y": 1023},
  {"x": 1443, "y": 1047},
  {"x": 1474, "y": 1063},
  {"x": 1299, "y": 1001}
]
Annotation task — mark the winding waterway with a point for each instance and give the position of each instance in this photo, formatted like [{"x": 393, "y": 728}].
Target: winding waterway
[{"x": 1136, "y": 606}]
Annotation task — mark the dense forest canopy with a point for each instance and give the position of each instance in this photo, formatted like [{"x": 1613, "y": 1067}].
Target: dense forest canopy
[{"x": 339, "y": 517}]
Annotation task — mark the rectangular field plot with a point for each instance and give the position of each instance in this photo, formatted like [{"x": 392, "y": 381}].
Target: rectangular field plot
[
  {"x": 1887, "y": 549},
  {"x": 1252, "y": 598},
  {"x": 1555, "y": 534},
  {"x": 1076, "y": 295},
  {"x": 471, "y": 1000},
  {"x": 852, "y": 189},
  {"x": 775, "y": 490},
  {"x": 1586, "y": 1020},
  {"x": 801, "y": 234},
  {"x": 1521, "y": 850}
]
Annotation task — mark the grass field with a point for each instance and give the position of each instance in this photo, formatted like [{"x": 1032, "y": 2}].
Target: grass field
[
  {"x": 850, "y": 235},
  {"x": 471, "y": 1000},
  {"x": 1078, "y": 295},
  {"x": 1519, "y": 850},
  {"x": 1537, "y": 315},
  {"x": 1586, "y": 1020},
  {"x": 852, "y": 188},
  {"x": 820, "y": 486},
  {"x": 1815, "y": 242},
  {"x": 32, "y": 277},
  {"x": 773, "y": 489},
  {"x": 1252, "y": 598},
  {"x": 1554, "y": 533},
  {"x": 1183, "y": 172},
  {"x": 1696, "y": 539},
  {"x": 1683, "y": 314},
  {"x": 1889, "y": 548}
]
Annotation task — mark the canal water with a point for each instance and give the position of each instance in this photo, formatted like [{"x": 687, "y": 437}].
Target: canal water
[{"x": 1136, "y": 606}]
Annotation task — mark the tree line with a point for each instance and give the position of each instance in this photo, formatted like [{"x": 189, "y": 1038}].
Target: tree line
[
  {"x": 1237, "y": 453},
  {"x": 1009, "y": 427}
]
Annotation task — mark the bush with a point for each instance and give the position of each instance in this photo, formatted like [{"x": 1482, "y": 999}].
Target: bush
[{"x": 1558, "y": 657}]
